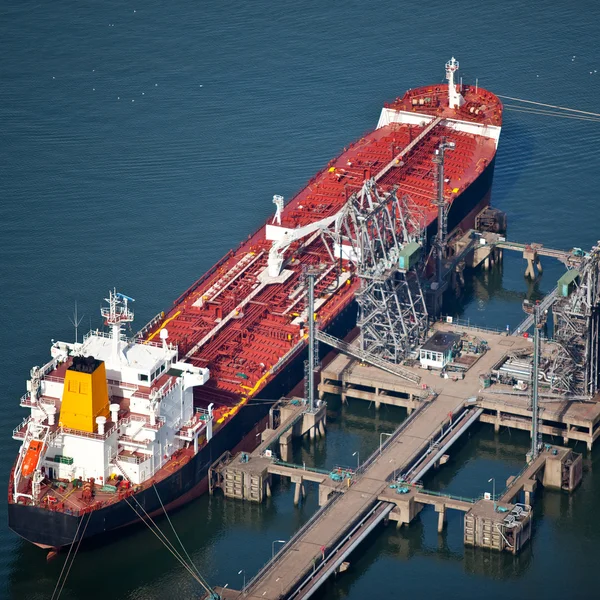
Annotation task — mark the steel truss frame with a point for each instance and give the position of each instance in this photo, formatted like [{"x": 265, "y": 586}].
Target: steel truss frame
[
  {"x": 392, "y": 315},
  {"x": 575, "y": 369}
]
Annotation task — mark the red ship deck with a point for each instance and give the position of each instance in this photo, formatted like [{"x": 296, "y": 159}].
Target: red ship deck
[
  {"x": 240, "y": 328},
  {"x": 244, "y": 327}
]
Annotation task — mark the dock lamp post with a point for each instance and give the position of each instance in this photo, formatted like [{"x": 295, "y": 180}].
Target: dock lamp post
[
  {"x": 240, "y": 572},
  {"x": 493, "y": 482},
  {"x": 393, "y": 460},
  {"x": 357, "y": 459},
  {"x": 381, "y": 439},
  {"x": 273, "y": 546}
]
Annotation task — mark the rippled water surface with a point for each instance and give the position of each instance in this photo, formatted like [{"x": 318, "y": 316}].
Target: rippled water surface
[{"x": 140, "y": 141}]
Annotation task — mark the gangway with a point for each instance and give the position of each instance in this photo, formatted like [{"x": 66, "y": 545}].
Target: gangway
[
  {"x": 565, "y": 256},
  {"x": 548, "y": 300},
  {"x": 356, "y": 352}
]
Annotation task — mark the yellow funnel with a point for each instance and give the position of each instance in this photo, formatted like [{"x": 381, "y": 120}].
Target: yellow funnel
[{"x": 85, "y": 395}]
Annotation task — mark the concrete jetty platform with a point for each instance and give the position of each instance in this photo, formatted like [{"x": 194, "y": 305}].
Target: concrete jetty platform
[
  {"x": 502, "y": 405},
  {"x": 387, "y": 486}
]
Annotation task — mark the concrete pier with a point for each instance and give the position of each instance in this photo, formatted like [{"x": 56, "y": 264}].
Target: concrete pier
[
  {"x": 247, "y": 476},
  {"x": 387, "y": 485},
  {"x": 502, "y": 406}
]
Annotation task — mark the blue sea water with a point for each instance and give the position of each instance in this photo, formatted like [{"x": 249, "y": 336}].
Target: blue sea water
[{"x": 142, "y": 140}]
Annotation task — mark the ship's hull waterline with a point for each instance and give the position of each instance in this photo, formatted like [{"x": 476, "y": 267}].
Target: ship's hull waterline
[{"x": 54, "y": 529}]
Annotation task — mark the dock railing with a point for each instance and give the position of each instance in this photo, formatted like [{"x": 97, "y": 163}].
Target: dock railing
[
  {"x": 467, "y": 323},
  {"x": 315, "y": 517}
]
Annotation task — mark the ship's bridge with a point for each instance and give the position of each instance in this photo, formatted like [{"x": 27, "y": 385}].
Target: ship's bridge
[{"x": 135, "y": 363}]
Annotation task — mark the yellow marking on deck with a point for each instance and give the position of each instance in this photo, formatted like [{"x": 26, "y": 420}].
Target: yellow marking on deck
[{"x": 162, "y": 326}]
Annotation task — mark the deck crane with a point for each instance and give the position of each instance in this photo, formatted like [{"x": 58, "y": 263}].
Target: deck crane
[{"x": 286, "y": 237}]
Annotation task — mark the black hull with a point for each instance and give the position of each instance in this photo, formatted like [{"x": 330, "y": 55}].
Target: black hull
[
  {"x": 56, "y": 529},
  {"x": 51, "y": 529},
  {"x": 467, "y": 205}
]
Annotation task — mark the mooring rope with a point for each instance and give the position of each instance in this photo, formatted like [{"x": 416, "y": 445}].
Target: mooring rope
[
  {"x": 534, "y": 111},
  {"x": 566, "y": 108},
  {"x": 175, "y": 532},
  {"x": 73, "y": 559},
  {"x": 166, "y": 542}
]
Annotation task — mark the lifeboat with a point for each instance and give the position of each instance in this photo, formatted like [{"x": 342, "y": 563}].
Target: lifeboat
[{"x": 32, "y": 457}]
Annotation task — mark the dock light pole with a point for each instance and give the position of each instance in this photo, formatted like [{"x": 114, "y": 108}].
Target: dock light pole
[
  {"x": 442, "y": 206},
  {"x": 381, "y": 439},
  {"x": 240, "y": 572},
  {"x": 312, "y": 363},
  {"x": 493, "y": 482},
  {"x": 539, "y": 320},
  {"x": 273, "y": 546},
  {"x": 393, "y": 460},
  {"x": 357, "y": 459}
]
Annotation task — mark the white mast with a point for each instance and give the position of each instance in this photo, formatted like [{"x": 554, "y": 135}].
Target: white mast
[
  {"x": 115, "y": 315},
  {"x": 455, "y": 99},
  {"x": 278, "y": 202}
]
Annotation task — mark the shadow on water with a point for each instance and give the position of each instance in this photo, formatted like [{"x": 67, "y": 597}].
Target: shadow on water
[
  {"x": 516, "y": 148},
  {"x": 482, "y": 287}
]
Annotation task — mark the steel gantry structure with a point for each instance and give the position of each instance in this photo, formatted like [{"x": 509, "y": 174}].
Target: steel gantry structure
[
  {"x": 378, "y": 231},
  {"x": 575, "y": 367},
  {"x": 311, "y": 364}
]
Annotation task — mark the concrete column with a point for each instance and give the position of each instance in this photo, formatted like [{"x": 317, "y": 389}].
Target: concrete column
[
  {"x": 497, "y": 423},
  {"x": 538, "y": 264},
  {"x": 312, "y": 433},
  {"x": 377, "y": 404},
  {"x": 268, "y": 489},
  {"x": 284, "y": 450},
  {"x": 566, "y": 435},
  {"x": 441, "y": 510},
  {"x": 297, "y": 493},
  {"x": 527, "y": 497},
  {"x": 303, "y": 490},
  {"x": 321, "y": 428},
  {"x": 530, "y": 270}
]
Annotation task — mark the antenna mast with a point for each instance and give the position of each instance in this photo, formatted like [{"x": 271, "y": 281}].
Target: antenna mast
[
  {"x": 76, "y": 321},
  {"x": 115, "y": 315}
]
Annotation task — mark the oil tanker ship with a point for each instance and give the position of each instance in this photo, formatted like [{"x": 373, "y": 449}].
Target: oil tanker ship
[{"x": 119, "y": 428}]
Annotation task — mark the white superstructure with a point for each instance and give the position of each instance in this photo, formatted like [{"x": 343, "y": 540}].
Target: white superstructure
[{"x": 150, "y": 413}]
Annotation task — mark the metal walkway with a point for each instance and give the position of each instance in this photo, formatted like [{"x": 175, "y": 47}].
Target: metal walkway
[
  {"x": 318, "y": 549},
  {"x": 548, "y": 300},
  {"x": 356, "y": 352},
  {"x": 565, "y": 256},
  {"x": 295, "y": 412}
]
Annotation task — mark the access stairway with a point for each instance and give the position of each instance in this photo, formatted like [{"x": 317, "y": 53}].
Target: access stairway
[{"x": 356, "y": 352}]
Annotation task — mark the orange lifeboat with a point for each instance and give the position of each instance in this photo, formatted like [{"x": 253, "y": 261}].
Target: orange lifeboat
[{"x": 31, "y": 457}]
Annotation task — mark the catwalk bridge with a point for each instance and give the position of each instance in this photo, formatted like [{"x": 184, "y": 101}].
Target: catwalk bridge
[
  {"x": 387, "y": 485},
  {"x": 351, "y": 513}
]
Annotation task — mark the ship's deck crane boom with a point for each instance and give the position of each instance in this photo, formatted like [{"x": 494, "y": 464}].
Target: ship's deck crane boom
[{"x": 289, "y": 236}]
